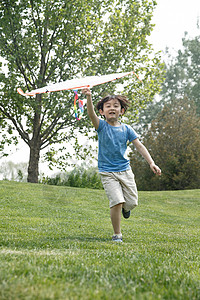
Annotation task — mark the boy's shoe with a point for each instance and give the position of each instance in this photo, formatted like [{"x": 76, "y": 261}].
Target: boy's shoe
[
  {"x": 126, "y": 214},
  {"x": 117, "y": 238}
]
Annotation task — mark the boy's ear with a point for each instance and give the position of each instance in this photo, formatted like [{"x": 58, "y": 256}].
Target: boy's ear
[
  {"x": 122, "y": 111},
  {"x": 101, "y": 112}
]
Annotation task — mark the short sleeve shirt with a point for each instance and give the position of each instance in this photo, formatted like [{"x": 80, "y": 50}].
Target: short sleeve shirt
[{"x": 112, "y": 153}]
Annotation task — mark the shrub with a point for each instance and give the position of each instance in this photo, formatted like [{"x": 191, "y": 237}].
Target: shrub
[
  {"x": 173, "y": 140},
  {"x": 78, "y": 177}
]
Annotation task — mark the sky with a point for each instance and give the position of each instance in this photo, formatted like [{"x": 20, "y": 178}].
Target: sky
[{"x": 171, "y": 18}]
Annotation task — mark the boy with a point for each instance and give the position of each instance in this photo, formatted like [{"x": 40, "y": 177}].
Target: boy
[{"x": 114, "y": 167}]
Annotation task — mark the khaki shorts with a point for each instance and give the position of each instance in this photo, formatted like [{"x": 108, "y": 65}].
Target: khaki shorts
[{"x": 120, "y": 187}]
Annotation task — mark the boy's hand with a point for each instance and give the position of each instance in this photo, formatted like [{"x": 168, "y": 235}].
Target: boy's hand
[
  {"x": 155, "y": 169},
  {"x": 86, "y": 92}
]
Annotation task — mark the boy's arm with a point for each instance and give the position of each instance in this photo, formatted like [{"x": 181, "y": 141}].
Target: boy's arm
[
  {"x": 145, "y": 153},
  {"x": 90, "y": 108}
]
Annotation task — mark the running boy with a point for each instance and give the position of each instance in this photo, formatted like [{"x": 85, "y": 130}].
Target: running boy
[{"x": 113, "y": 163}]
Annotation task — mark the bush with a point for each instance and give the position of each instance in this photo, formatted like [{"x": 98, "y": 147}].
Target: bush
[
  {"x": 173, "y": 140},
  {"x": 79, "y": 177}
]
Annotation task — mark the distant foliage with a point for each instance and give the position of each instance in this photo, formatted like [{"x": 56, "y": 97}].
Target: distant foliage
[
  {"x": 182, "y": 73},
  {"x": 181, "y": 80},
  {"x": 13, "y": 171},
  {"x": 79, "y": 177},
  {"x": 173, "y": 140}
]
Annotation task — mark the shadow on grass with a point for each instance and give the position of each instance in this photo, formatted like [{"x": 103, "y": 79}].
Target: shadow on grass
[
  {"x": 88, "y": 239},
  {"x": 64, "y": 242}
]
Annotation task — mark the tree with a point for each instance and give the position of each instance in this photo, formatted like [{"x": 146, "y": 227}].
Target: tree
[
  {"x": 181, "y": 80},
  {"x": 174, "y": 141},
  {"x": 51, "y": 41},
  {"x": 182, "y": 73}
]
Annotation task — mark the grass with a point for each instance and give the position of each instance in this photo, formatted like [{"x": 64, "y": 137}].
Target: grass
[{"x": 55, "y": 243}]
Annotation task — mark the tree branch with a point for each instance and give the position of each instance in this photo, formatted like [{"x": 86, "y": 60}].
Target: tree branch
[
  {"x": 36, "y": 26},
  {"x": 49, "y": 142},
  {"x": 19, "y": 128},
  {"x": 45, "y": 134},
  {"x": 48, "y": 139}
]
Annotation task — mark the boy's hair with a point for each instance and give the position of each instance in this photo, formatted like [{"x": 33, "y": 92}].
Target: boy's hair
[{"x": 122, "y": 99}]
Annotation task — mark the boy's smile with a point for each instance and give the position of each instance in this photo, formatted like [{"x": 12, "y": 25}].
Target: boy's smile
[{"x": 112, "y": 111}]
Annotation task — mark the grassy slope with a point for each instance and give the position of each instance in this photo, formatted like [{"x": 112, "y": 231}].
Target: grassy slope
[{"x": 55, "y": 244}]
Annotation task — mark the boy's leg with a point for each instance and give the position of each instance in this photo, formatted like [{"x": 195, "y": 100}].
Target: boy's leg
[
  {"x": 115, "y": 214},
  {"x": 129, "y": 190},
  {"x": 114, "y": 193}
]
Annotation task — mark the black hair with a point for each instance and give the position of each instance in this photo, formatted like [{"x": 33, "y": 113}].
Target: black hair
[{"x": 124, "y": 102}]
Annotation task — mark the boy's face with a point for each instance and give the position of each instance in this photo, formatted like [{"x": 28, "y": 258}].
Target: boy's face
[{"x": 112, "y": 110}]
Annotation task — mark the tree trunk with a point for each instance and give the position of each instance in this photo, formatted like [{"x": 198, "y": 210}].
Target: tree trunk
[
  {"x": 33, "y": 167},
  {"x": 35, "y": 144}
]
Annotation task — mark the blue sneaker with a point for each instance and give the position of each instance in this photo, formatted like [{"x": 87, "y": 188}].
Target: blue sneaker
[
  {"x": 126, "y": 214},
  {"x": 117, "y": 238}
]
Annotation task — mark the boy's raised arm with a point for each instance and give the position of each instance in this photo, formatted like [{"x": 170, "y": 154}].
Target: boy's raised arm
[{"x": 90, "y": 108}]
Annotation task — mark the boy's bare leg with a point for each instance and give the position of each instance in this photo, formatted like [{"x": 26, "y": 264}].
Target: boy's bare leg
[{"x": 115, "y": 214}]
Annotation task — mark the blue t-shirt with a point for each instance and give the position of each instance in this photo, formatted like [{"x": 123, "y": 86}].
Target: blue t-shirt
[{"x": 112, "y": 156}]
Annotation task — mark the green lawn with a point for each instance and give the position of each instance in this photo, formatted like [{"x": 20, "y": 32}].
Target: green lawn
[{"x": 55, "y": 243}]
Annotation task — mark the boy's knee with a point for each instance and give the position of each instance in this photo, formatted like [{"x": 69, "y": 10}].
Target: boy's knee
[
  {"x": 133, "y": 202},
  {"x": 129, "y": 206},
  {"x": 133, "y": 206}
]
